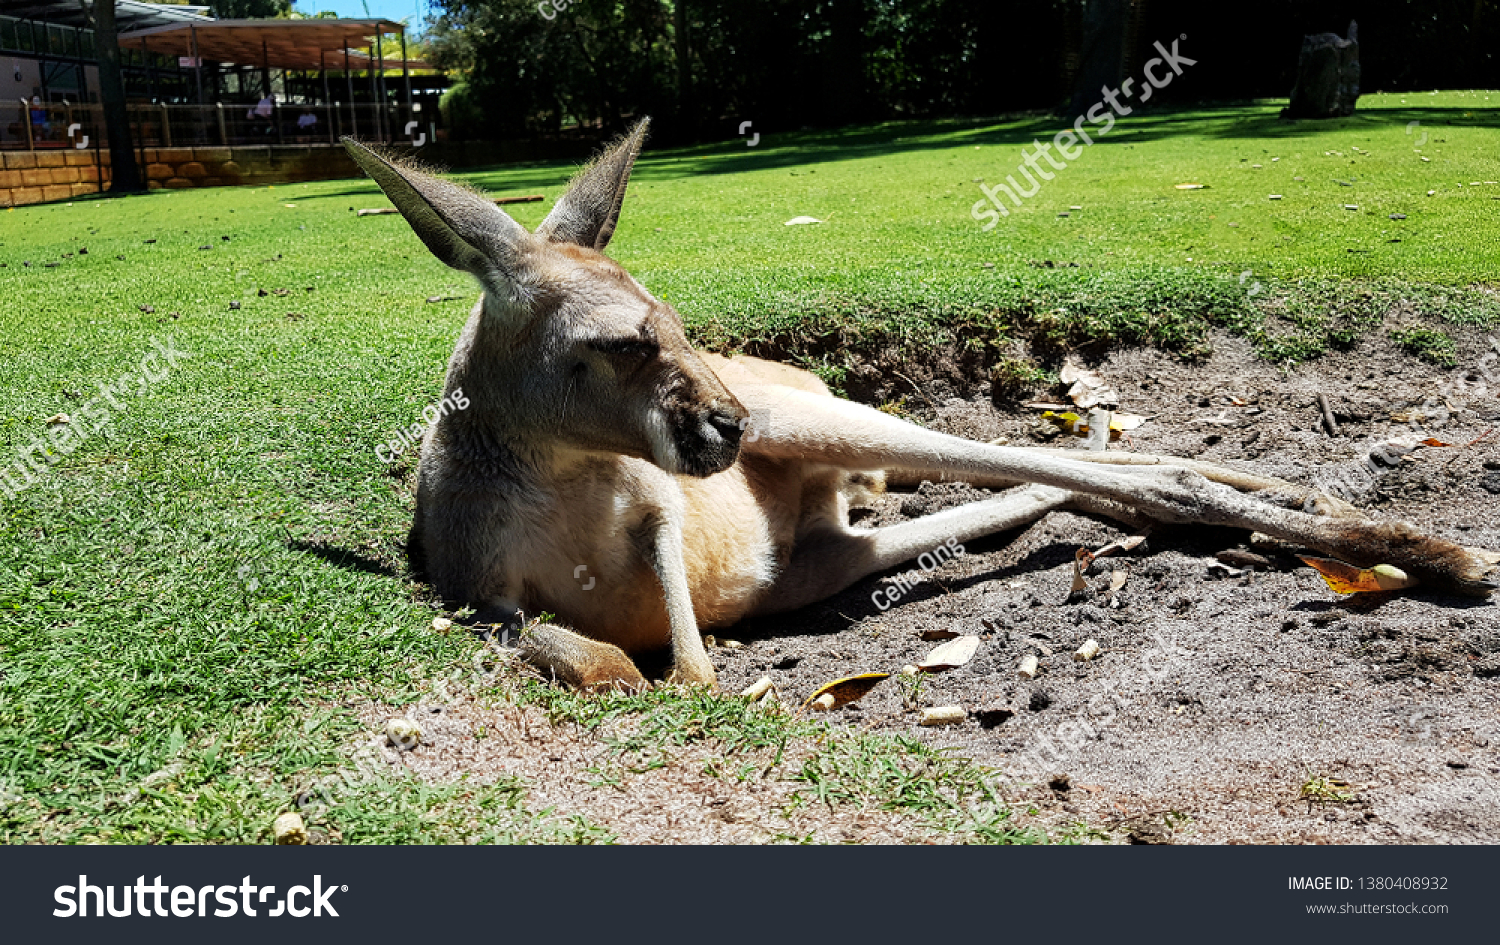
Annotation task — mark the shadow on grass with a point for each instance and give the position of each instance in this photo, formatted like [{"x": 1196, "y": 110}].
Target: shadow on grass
[
  {"x": 344, "y": 558},
  {"x": 794, "y": 149}
]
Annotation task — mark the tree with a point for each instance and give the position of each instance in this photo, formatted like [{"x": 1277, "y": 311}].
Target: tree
[
  {"x": 124, "y": 173},
  {"x": 249, "y": 9}
]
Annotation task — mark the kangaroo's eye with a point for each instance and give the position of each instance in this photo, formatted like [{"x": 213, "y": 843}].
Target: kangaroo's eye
[{"x": 626, "y": 347}]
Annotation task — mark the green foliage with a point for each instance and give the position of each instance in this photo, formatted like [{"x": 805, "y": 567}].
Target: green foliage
[
  {"x": 249, "y": 9},
  {"x": 1427, "y": 344},
  {"x": 463, "y": 112}
]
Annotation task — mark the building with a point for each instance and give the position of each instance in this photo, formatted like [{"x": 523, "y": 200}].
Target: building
[{"x": 284, "y": 87}]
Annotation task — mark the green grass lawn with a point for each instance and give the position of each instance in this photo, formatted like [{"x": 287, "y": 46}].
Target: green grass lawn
[{"x": 193, "y": 596}]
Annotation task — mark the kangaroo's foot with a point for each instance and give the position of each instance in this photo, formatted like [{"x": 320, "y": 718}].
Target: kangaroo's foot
[{"x": 579, "y": 661}]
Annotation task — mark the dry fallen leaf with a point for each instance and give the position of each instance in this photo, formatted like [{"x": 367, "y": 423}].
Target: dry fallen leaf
[
  {"x": 931, "y": 635},
  {"x": 1347, "y": 579},
  {"x": 1081, "y": 561},
  {"x": 848, "y": 689},
  {"x": 1117, "y": 581},
  {"x": 58, "y": 419},
  {"x": 950, "y": 655},
  {"x": 799, "y": 221},
  {"x": 1087, "y": 388},
  {"x": 1124, "y": 544},
  {"x": 1074, "y": 424}
]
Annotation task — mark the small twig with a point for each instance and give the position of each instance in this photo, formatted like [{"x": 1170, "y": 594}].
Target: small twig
[
  {"x": 1457, "y": 451},
  {"x": 916, "y": 388},
  {"x": 529, "y": 198},
  {"x": 1331, "y": 424}
]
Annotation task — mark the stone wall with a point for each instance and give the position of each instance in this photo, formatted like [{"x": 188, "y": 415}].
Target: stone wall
[{"x": 28, "y": 177}]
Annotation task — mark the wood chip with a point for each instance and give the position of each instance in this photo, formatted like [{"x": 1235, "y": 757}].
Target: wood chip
[
  {"x": 943, "y": 715},
  {"x": 1028, "y": 667},
  {"x": 757, "y": 689},
  {"x": 1088, "y": 651}
]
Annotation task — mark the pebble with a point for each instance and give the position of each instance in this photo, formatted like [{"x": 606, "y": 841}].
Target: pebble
[{"x": 403, "y": 733}]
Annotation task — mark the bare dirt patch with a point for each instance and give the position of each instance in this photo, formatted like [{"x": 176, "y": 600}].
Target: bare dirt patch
[
  {"x": 685, "y": 794},
  {"x": 1215, "y": 698}
]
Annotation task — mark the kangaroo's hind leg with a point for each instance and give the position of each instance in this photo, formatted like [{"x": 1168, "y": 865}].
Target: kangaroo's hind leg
[
  {"x": 848, "y": 435},
  {"x": 827, "y": 560}
]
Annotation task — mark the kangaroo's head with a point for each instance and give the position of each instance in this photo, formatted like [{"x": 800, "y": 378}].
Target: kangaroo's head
[{"x": 575, "y": 350}]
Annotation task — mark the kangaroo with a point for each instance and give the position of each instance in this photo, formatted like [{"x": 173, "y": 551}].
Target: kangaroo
[{"x": 642, "y": 491}]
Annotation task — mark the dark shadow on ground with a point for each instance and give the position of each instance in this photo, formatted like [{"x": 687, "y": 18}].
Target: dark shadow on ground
[
  {"x": 344, "y": 558},
  {"x": 796, "y": 149}
]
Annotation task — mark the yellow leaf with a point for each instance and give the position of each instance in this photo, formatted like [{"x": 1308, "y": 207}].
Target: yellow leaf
[
  {"x": 848, "y": 689},
  {"x": 1347, "y": 579},
  {"x": 1074, "y": 424}
]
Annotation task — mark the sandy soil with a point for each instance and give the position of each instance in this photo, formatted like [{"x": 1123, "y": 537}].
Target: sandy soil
[{"x": 1216, "y": 696}]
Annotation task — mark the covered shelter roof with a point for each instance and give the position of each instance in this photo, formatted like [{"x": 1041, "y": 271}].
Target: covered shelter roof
[
  {"x": 129, "y": 14},
  {"x": 309, "y": 44}
]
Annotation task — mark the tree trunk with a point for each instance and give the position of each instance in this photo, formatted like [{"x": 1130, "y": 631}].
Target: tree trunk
[
  {"x": 125, "y": 174},
  {"x": 1101, "y": 60},
  {"x": 1327, "y": 76},
  {"x": 687, "y": 118}
]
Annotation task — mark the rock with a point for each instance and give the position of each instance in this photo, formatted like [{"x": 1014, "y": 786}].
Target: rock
[
  {"x": 403, "y": 733},
  {"x": 1150, "y": 833},
  {"x": 1327, "y": 76},
  {"x": 290, "y": 830},
  {"x": 1488, "y": 667}
]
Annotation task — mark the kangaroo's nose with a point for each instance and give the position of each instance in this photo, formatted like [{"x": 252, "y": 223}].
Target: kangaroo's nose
[{"x": 727, "y": 426}]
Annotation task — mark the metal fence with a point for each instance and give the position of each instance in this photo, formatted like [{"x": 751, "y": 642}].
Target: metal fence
[{"x": 28, "y": 127}]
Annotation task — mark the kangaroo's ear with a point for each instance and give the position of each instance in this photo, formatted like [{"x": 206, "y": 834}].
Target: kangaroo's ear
[
  {"x": 461, "y": 228},
  {"x": 587, "y": 213}
]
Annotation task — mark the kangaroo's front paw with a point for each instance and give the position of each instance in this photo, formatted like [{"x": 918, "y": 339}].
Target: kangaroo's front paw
[{"x": 697, "y": 672}]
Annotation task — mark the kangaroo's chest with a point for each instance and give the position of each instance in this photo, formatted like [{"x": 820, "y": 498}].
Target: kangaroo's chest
[{"x": 577, "y": 553}]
